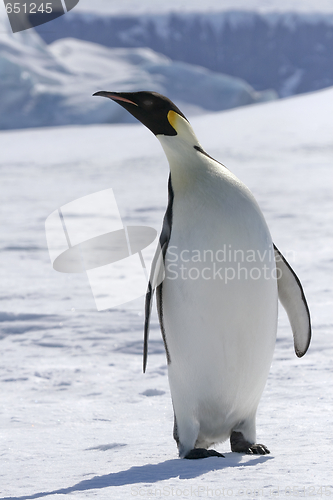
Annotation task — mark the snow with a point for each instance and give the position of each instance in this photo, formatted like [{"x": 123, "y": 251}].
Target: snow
[
  {"x": 45, "y": 85},
  {"x": 289, "y": 52},
  {"x": 77, "y": 415},
  {"x": 131, "y": 69}
]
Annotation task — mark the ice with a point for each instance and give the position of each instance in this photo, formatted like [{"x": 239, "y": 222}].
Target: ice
[
  {"x": 148, "y": 6},
  {"x": 291, "y": 83},
  {"x": 289, "y": 52},
  {"x": 53, "y": 85},
  {"x": 78, "y": 417}
]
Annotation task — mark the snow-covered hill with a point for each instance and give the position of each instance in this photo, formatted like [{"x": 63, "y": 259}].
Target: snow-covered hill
[
  {"x": 43, "y": 85},
  {"x": 287, "y": 51},
  {"x": 77, "y": 417},
  {"x": 209, "y": 59}
]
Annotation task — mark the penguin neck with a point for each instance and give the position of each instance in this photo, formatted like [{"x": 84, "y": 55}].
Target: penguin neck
[{"x": 186, "y": 165}]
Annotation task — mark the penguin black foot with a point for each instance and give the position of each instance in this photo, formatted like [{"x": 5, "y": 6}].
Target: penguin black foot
[
  {"x": 240, "y": 445},
  {"x": 202, "y": 453}
]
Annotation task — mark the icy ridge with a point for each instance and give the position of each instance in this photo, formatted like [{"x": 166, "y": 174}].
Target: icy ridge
[
  {"x": 46, "y": 85},
  {"x": 264, "y": 49}
]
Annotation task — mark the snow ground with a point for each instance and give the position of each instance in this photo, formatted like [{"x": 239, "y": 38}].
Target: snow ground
[{"x": 77, "y": 416}]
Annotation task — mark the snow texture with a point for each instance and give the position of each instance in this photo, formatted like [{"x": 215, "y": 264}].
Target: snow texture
[{"x": 78, "y": 417}]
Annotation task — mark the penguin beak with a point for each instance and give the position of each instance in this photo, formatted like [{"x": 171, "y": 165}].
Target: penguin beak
[{"x": 115, "y": 96}]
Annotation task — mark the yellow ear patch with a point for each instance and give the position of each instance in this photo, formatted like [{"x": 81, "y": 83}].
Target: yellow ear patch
[{"x": 173, "y": 118}]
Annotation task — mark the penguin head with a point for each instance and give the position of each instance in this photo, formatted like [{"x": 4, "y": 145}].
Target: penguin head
[{"x": 153, "y": 110}]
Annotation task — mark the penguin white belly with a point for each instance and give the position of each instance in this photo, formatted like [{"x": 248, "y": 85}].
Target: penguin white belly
[{"x": 219, "y": 299}]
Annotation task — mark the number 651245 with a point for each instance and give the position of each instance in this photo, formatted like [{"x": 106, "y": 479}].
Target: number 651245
[{"x": 28, "y": 8}]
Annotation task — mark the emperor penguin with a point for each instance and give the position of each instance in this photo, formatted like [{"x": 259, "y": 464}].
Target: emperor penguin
[{"x": 218, "y": 277}]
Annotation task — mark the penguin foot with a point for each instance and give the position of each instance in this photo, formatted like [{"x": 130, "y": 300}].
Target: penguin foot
[
  {"x": 240, "y": 445},
  {"x": 202, "y": 453}
]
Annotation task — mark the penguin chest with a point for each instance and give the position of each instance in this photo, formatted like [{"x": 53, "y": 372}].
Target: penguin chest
[{"x": 219, "y": 298}]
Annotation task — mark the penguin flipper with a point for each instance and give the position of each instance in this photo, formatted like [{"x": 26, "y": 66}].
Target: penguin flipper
[
  {"x": 291, "y": 296},
  {"x": 156, "y": 277},
  {"x": 157, "y": 269}
]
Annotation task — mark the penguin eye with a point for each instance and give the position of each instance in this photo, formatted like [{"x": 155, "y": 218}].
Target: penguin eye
[{"x": 148, "y": 103}]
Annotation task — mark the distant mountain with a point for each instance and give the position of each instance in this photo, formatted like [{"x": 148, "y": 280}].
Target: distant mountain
[
  {"x": 46, "y": 85},
  {"x": 289, "y": 52}
]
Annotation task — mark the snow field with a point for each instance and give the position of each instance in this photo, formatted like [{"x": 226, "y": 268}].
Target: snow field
[{"x": 78, "y": 417}]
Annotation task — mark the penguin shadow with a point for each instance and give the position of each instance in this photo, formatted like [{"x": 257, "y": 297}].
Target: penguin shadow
[{"x": 153, "y": 473}]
